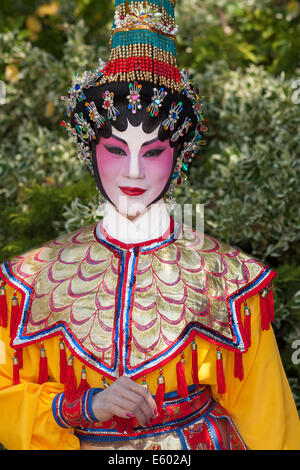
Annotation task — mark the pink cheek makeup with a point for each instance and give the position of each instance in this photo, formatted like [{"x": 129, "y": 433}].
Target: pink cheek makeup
[{"x": 114, "y": 168}]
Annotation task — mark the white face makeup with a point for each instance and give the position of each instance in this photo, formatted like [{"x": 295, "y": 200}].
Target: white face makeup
[{"x": 134, "y": 168}]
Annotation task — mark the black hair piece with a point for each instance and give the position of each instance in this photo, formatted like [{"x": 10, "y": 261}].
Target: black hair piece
[{"x": 149, "y": 123}]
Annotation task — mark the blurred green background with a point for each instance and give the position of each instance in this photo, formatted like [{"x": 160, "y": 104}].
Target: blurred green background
[{"x": 244, "y": 56}]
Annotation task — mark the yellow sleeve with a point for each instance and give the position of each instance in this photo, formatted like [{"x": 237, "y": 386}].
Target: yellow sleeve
[
  {"x": 261, "y": 405},
  {"x": 26, "y": 418}
]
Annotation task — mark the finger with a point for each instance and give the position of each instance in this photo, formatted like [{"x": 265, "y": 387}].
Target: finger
[
  {"x": 142, "y": 391},
  {"x": 129, "y": 409},
  {"x": 140, "y": 400}
]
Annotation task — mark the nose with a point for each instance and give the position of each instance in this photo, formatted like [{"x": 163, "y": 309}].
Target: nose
[{"x": 134, "y": 169}]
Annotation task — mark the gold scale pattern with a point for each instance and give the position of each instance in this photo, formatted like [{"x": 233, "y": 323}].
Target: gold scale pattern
[{"x": 75, "y": 282}]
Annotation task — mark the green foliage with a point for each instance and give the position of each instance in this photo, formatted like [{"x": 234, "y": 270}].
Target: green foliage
[
  {"x": 240, "y": 32},
  {"x": 244, "y": 55}
]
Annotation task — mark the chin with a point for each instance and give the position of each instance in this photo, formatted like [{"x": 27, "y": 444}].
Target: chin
[{"x": 131, "y": 209}]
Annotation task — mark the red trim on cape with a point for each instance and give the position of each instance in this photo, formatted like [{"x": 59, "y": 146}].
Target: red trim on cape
[
  {"x": 128, "y": 246},
  {"x": 169, "y": 357}
]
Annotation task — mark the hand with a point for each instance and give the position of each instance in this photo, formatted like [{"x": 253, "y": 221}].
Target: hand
[{"x": 126, "y": 399}]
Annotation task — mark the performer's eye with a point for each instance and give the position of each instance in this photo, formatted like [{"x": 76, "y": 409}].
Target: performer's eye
[
  {"x": 116, "y": 150},
  {"x": 154, "y": 153}
]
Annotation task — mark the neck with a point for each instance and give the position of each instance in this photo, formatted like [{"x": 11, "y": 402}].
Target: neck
[{"x": 151, "y": 224}]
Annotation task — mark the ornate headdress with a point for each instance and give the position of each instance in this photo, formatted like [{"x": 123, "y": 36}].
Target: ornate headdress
[{"x": 143, "y": 49}]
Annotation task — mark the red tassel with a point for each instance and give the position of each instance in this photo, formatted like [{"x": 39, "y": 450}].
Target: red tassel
[
  {"x": 220, "y": 373},
  {"x": 19, "y": 354},
  {"x": 3, "y": 306},
  {"x": 270, "y": 304},
  {"x": 265, "y": 323},
  {"x": 43, "y": 369},
  {"x": 14, "y": 315},
  {"x": 160, "y": 392},
  {"x": 238, "y": 366},
  {"x": 83, "y": 386},
  {"x": 247, "y": 324},
  {"x": 16, "y": 375},
  {"x": 182, "y": 388},
  {"x": 62, "y": 362},
  {"x": 195, "y": 364},
  {"x": 70, "y": 382}
]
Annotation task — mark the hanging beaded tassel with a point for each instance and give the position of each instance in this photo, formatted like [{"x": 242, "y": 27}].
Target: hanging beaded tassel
[
  {"x": 43, "y": 367},
  {"x": 220, "y": 373},
  {"x": 70, "y": 382},
  {"x": 265, "y": 322},
  {"x": 238, "y": 366},
  {"x": 16, "y": 374},
  {"x": 19, "y": 353},
  {"x": 182, "y": 388},
  {"x": 3, "y": 306},
  {"x": 160, "y": 391},
  {"x": 83, "y": 386},
  {"x": 195, "y": 363},
  {"x": 247, "y": 323},
  {"x": 62, "y": 361},
  {"x": 271, "y": 303},
  {"x": 14, "y": 315}
]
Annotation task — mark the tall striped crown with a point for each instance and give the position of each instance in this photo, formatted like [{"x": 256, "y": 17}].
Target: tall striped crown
[{"x": 143, "y": 44}]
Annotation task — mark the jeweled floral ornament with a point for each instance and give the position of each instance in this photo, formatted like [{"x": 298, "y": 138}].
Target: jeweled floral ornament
[
  {"x": 157, "y": 101},
  {"x": 134, "y": 97},
  {"x": 108, "y": 105},
  {"x": 136, "y": 312},
  {"x": 143, "y": 49},
  {"x": 94, "y": 114}
]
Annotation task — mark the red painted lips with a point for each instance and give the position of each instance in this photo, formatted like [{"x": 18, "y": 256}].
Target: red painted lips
[{"x": 129, "y": 191}]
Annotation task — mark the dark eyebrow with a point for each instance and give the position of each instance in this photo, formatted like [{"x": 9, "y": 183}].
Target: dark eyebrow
[
  {"x": 121, "y": 140},
  {"x": 143, "y": 145},
  {"x": 150, "y": 142}
]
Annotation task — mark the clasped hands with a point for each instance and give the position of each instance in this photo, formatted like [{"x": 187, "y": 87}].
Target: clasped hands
[{"x": 125, "y": 399}]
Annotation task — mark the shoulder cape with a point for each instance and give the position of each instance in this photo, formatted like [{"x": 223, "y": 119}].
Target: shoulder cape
[{"x": 125, "y": 309}]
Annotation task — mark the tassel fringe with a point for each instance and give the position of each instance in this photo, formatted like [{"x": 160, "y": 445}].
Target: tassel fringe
[
  {"x": 16, "y": 375},
  {"x": 83, "y": 386},
  {"x": 220, "y": 373},
  {"x": 265, "y": 322},
  {"x": 182, "y": 388},
  {"x": 14, "y": 315},
  {"x": 247, "y": 323},
  {"x": 19, "y": 354},
  {"x": 195, "y": 364},
  {"x": 62, "y": 362},
  {"x": 271, "y": 304},
  {"x": 70, "y": 382},
  {"x": 238, "y": 366},
  {"x": 43, "y": 369},
  {"x": 160, "y": 392},
  {"x": 3, "y": 306}
]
